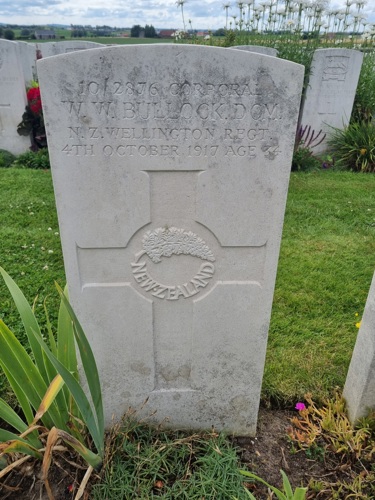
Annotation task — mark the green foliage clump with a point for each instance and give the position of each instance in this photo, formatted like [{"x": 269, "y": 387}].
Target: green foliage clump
[
  {"x": 304, "y": 160},
  {"x": 354, "y": 147},
  {"x": 364, "y": 103},
  {"x": 326, "y": 429},
  {"x": 6, "y": 158},
  {"x": 36, "y": 160}
]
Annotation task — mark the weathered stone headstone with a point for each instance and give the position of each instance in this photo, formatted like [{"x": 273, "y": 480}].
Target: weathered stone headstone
[
  {"x": 27, "y": 54},
  {"x": 359, "y": 390},
  {"x": 259, "y": 49},
  {"x": 56, "y": 48},
  {"x": 170, "y": 166},
  {"x": 331, "y": 90},
  {"x": 12, "y": 98}
]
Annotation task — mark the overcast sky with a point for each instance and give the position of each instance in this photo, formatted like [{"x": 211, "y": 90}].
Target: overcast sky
[{"x": 125, "y": 13}]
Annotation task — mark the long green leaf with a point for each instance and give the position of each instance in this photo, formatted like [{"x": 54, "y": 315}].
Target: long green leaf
[
  {"x": 66, "y": 347},
  {"x": 277, "y": 492},
  {"x": 300, "y": 494},
  {"x": 286, "y": 485},
  {"x": 91, "y": 458},
  {"x": 51, "y": 338},
  {"x": 10, "y": 416},
  {"x": 62, "y": 398},
  {"x": 66, "y": 350},
  {"x": 79, "y": 397},
  {"x": 20, "y": 395},
  {"x": 89, "y": 365},
  {"x": 17, "y": 445},
  {"x": 52, "y": 391},
  {"x": 18, "y": 363},
  {"x": 29, "y": 321}
]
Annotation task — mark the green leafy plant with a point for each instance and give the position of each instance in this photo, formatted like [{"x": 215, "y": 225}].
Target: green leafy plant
[
  {"x": 364, "y": 103},
  {"x": 304, "y": 160},
  {"x": 33, "y": 159},
  {"x": 46, "y": 382},
  {"x": 325, "y": 430},
  {"x": 6, "y": 158},
  {"x": 145, "y": 462},
  {"x": 286, "y": 494},
  {"x": 354, "y": 147}
]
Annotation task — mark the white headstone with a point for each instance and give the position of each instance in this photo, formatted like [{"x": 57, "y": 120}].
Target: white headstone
[
  {"x": 27, "y": 54},
  {"x": 12, "y": 98},
  {"x": 171, "y": 166},
  {"x": 331, "y": 90},
  {"x": 259, "y": 49},
  {"x": 359, "y": 390},
  {"x": 56, "y": 48}
]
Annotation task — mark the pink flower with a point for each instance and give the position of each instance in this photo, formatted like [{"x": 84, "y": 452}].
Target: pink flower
[{"x": 300, "y": 406}]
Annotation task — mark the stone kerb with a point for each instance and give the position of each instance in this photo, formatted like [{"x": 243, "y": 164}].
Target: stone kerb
[
  {"x": 259, "y": 49},
  {"x": 170, "y": 166},
  {"x": 12, "y": 98},
  {"x": 64, "y": 47},
  {"x": 359, "y": 389},
  {"x": 331, "y": 90}
]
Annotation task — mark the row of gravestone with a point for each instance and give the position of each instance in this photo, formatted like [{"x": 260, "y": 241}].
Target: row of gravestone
[
  {"x": 171, "y": 166},
  {"x": 328, "y": 102}
]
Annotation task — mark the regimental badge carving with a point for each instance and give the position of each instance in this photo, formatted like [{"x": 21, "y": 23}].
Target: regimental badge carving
[
  {"x": 174, "y": 241},
  {"x": 336, "y": 68},
  {"x": 165, "y": 242}
]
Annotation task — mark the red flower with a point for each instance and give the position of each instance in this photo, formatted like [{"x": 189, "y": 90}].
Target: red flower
[{"x": 35, "y": 103}]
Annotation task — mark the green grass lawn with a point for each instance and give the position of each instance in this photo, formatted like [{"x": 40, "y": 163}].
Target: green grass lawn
[{"x": 325, "y": 269}]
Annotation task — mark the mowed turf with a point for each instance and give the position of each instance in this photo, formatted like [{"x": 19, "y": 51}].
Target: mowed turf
[{"x": 326, "y": 264}]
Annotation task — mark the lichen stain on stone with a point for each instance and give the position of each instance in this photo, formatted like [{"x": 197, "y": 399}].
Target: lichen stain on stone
[
  {"x": 170, "y": 374},
  {"x": 140, "y": 368},
  {"x": 240, "y": 403}
]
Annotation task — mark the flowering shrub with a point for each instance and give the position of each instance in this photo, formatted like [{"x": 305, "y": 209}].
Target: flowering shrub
[
  {"x": 32, "y": 123},
  {"x": 33, "y": 97}
]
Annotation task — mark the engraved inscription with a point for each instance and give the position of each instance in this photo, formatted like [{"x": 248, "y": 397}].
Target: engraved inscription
[
  {"x": 165, "y": 242},
  {"x": 174, "y": 120}
]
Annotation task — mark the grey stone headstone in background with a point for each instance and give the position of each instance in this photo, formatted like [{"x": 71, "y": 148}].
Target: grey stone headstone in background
[
  {"x": 64, "y": 47},
  {"x": 359, "y": 389},
  {"x": 27, "y": 54},
  {"x": 259, "y": 49},
  {"x": 12, "y": 98},
  {"x": 171, "y": 166},
  {"x": 331, "y": 90}
]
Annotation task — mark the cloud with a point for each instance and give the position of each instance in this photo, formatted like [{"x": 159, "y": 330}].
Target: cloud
[{"x": 126, "y": 13}]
